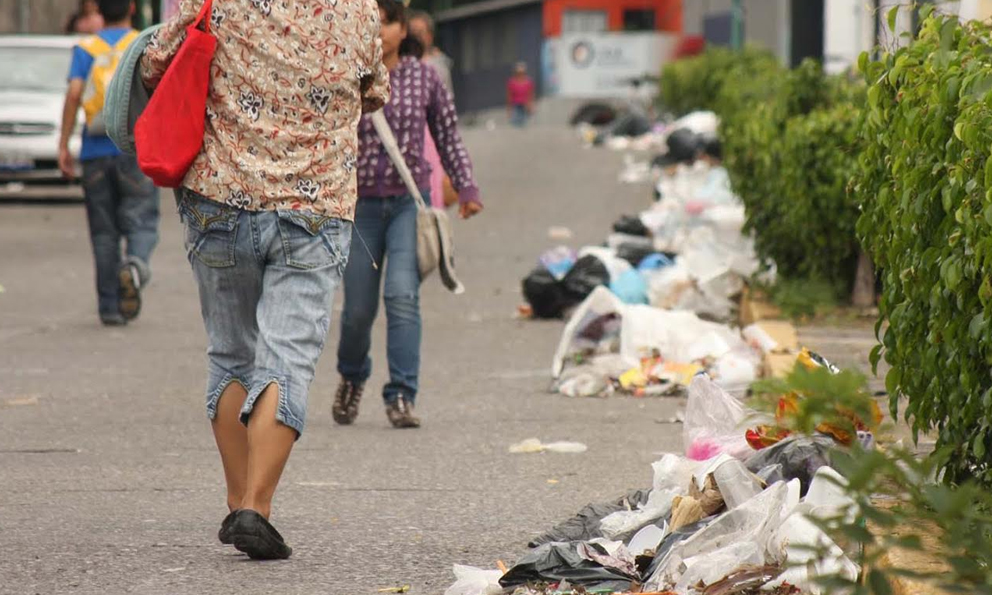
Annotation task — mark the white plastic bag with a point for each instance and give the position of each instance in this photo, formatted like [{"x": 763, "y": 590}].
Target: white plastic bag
[
  {"x": 798, "y": 541},
  {"x": 601, "y": 302},
  {"x": 672, "y": 475},
  {"x": 679, "y": 336},
  {"x": 474, "y": 581},
  {"x": 713, "y": 420},
  {"x": 713, "y": 566}
]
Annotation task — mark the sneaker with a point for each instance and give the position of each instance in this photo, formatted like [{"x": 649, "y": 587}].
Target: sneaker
[
  {"x": 400, "y": 413},
  {"x": 129, "y": 293},
  {"x": 113, "y": 320},
  {"x": 346, "y": 400}
]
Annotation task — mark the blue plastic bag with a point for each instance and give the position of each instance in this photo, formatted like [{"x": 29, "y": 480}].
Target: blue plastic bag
[{"x": 630, "y": 287}]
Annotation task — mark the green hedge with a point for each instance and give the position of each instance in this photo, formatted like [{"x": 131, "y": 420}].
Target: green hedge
[
  {"x": 917, "y": 141},
  {"x": 790, "y": 144},
  {"x": 697, "y": 83},
  {"x": 925, "y": 186}
]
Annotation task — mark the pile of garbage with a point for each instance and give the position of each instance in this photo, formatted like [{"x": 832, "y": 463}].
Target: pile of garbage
[
  {"x": 687, "y": 251},
  {"x": 654, "y": 304},
  {"x": 725, "y": 519}
]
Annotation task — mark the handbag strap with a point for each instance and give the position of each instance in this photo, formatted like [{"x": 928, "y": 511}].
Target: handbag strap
[
  {"x": 204, "y": 17},
  {"x": 396, "y": 156}
]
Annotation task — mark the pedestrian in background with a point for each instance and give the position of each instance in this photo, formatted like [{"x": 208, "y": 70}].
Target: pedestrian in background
[
  {"x": 121, "y": 202},
  {"x": 421, "y": 27},
  {"x": 520, "y": 96},
  {"x": 87, "y": 20},
  {"x": 267, "y": 208},
  {"x": 387, "y": 220}
]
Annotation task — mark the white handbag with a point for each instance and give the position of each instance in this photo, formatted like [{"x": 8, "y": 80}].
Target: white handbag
[{"x": 435, "y": 240}]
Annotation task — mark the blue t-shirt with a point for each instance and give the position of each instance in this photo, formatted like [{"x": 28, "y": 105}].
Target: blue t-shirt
[{"x": 99, "y": 145}]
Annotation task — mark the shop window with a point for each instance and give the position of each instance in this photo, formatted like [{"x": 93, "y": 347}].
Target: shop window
[
  {"x": 639, "y": 20},
  {"x": 584, "y": 21}
]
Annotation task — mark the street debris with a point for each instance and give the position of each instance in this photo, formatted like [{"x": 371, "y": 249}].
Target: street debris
[
  {"x": 666, "y": 295},
  {"x": 474, "y": 581},
  {"x": 533, "y": 445},
  {"x": 20, "y": 401},
  {"x": 730, "y": 517}
]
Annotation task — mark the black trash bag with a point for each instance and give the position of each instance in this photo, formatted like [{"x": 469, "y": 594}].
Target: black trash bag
[
  {"x": 588, "y": 273},
  {"x": 554, "y": 562},
  {"x": 585, "y": 524},
  {"x": 635, "y": 253},
  {"x": 629, "y": 125},
  {"x": 544, "y": 293},
  {"x": 595, "y": 113},
  {"x": 684, "y": 146},
  {"x": 631, "y": 225},
  {"x": 799, "y": 456}
]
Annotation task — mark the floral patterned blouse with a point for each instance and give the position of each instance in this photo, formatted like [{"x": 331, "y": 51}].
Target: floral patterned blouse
[{"x": 290, "y": 81}]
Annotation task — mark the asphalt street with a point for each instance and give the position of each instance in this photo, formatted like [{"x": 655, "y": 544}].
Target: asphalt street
[{"x": 109, "y": 478}]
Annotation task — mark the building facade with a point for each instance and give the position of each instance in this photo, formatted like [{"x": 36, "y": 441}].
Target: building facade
[{"x": 487, "y": 38}]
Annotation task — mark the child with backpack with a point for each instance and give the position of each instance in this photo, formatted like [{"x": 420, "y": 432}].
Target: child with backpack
[{"x": 121, "y": 202}]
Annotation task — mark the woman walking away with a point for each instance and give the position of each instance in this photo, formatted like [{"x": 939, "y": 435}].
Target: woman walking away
[
  {"x": 387, "y": 220},
  {"x": 267, "y": 208}
]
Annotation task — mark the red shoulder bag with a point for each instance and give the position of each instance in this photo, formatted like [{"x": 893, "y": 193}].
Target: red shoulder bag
[{"x": 169, "y": 133}]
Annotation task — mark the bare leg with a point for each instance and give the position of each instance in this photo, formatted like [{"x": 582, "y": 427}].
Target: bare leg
[
  {"x": 232, "y": 442},
  {"x": 269, "y": 445}
]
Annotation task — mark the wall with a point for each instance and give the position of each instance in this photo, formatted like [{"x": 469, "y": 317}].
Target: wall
[
  {"x": 668, "y": 13},
  {"x": 486, "y": 47},
  {"x": 766, "y": 22},
  {"x": 976, "y": 9},
  {"x": 44, "y": 16}
]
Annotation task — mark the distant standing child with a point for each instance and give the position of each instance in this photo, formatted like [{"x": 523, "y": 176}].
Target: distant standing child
[
  {"x": 120, "y": 201},
  {"x": 520, "y": 96}
]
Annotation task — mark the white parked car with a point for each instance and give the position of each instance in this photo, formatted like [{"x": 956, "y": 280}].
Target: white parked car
[{"x": 33, "y": 82}]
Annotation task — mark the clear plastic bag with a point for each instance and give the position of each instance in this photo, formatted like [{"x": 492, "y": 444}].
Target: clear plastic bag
[
  {"x": 672, "y": 475},
  {"x": 754, "y": 522},
  {"x": 474, "y": 581},
  {"x": 713, "y": 420}
]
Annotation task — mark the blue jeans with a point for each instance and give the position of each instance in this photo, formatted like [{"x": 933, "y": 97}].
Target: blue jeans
[
  {"x": 121, "y": 202},
  {"x": 389, "y": 227},
  {"x": 520, "y": 116},
  {"x": 266, "y": 281}
]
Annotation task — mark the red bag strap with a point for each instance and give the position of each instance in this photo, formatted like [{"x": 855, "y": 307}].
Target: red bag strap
[{"x": 204, "y": 17}]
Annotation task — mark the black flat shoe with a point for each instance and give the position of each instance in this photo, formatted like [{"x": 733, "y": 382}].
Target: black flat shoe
[
  {"x": 252, "y": 534},
  {"x": 224, "y": 535}
]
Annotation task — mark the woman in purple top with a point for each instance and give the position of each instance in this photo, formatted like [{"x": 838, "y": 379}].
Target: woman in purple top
[{"x": 387, "y": 221}]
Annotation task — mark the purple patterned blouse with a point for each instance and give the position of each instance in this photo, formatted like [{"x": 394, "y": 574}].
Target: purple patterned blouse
[{"x": 418, "y": 99}]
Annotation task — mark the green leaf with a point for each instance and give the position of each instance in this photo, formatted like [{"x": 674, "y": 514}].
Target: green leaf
[
  {"x": 892, "y": 380},
  {"x": 891, "y": 18},
  {"x": 977, "y": 325},
  {"x": 978, "y": 446}
]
